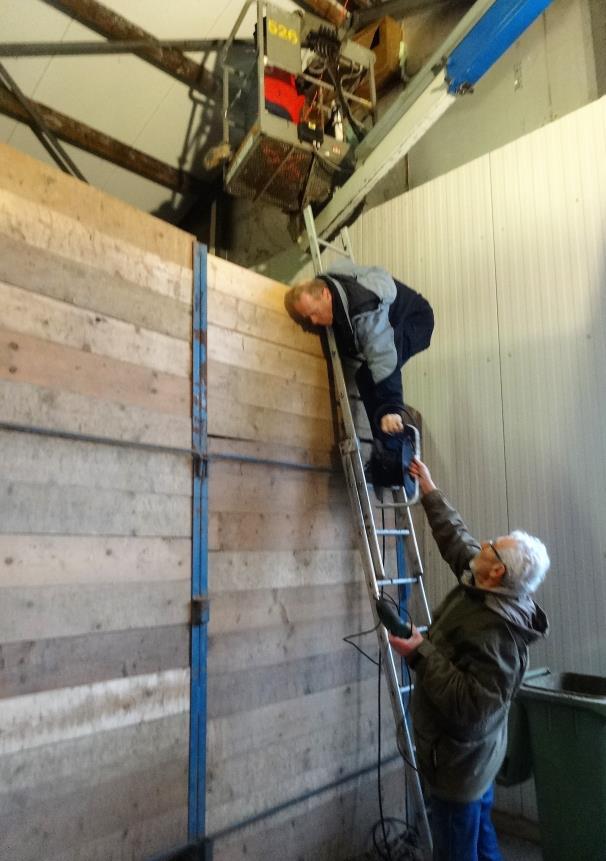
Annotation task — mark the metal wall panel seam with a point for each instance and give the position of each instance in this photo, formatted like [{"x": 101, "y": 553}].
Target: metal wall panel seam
[
  {"x": 499, "y": 346},
  {"x": 199, "y": 583}
]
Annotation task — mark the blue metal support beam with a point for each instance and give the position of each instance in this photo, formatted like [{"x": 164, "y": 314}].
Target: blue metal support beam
[
  {"x": 484, "y": 33},
  {"x": 494, "y": 34},
  {"x": 199, "y": 581}
]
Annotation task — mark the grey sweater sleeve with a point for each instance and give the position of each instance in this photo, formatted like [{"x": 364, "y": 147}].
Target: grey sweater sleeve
[
  {"x": 455, "y": 543},
  {"x": 376, "y": 341}
]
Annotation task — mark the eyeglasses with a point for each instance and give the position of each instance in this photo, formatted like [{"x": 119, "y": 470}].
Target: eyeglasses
[{"x": 497, "y": 554}]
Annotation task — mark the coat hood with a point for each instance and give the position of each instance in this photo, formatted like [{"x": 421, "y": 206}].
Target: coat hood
[{"x": 519, "y": 609}]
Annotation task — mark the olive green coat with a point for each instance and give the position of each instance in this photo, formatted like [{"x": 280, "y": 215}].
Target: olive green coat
[{"x": 468, "y": 669}]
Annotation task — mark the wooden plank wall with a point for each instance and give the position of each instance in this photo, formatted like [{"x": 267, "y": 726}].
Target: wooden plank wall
[
  {"x": 95, "y": 553},
  {"x": 292, "y": 709},
  {"x": 95, "y": 321}
]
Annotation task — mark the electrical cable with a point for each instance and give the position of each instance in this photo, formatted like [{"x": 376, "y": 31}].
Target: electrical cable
[{"x": 349, "y": 637}]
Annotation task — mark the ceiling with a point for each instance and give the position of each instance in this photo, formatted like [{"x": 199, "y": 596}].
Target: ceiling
[{"x": 121, "y": 95}]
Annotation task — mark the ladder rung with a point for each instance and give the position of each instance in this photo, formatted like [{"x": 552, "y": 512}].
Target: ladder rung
[
  {"x": 367, "y": 439},
  {"x": 406, "y": 689},
  {"x": 392, "y": 532},
  {"x": 423, "y": 629},
  {"x": 391, "y": 505},
  {"x": 398, "y": 581}
]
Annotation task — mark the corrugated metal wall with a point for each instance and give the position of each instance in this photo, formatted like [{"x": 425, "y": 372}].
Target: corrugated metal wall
[{"x": 511, "y": 251}]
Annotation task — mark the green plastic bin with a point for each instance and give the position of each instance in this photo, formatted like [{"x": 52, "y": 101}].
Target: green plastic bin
[{"x": 567, "y": 721}]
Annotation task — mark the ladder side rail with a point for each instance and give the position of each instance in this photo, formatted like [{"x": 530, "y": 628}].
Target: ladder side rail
[
  {"x": 369, "y": 544},
  {"x": 417, "y": 557},
  {"x": 391, "y": 674},
  {"x": 358, "y": 491}
]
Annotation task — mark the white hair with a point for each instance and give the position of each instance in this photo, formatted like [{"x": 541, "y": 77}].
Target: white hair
[{"x": 527, "y": 562}]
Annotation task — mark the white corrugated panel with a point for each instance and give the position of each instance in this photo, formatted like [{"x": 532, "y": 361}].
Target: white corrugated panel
[
  {"x": 511, "y": 252},
  {"x": 438, "y": 239},
  {"x": 549, "y": 192}
]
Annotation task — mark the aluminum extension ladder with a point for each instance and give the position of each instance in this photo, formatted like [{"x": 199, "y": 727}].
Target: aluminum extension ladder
[{"x": 368, "y": 540}]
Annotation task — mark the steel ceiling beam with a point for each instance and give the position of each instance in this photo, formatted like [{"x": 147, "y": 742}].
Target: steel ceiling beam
[
  {"x": 71, "y": 49},
  {"x": 108, "y": 23},
  {"x": 95, "y": 142},
  {"x": 46, "y": 136}
]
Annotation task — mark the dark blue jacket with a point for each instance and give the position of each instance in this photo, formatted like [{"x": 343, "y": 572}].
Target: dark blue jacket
[{"x": 380, "y": 321}]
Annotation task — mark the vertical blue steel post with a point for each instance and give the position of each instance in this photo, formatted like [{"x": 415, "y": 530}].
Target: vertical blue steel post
[{"x": 199, "y": 580}]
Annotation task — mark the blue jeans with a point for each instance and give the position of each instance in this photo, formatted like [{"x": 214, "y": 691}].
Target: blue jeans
[{"x": 464, "y": 832}]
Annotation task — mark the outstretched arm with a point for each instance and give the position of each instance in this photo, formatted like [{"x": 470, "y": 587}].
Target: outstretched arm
[{"x": 456, "y": 544}]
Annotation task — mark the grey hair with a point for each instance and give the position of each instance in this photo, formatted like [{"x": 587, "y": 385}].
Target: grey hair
[{"x": 527, "y": 562}]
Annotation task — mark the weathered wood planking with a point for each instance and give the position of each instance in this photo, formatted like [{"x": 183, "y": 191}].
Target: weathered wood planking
[
  {"x": 274, "y": 360},
  {"x": 44, "y": 612},
  {"x": 33, "y": 360},
  {"x": 94, "y": 808},
  {"x": 242, "y": 487},
  {"x": 81, "y": 284},
  {"x": 333, "y": 824},
  {"x": 253, "y": 287},
  {"x": 51, "y": 560},
  {"x": 248, "y": 387},
  {"x": 269, "y": 569},
  {"x": 46, "y": 718},
  {"x": 305, "y": 762},
  {"x": 145, "y": 838},
  {"x": 270, "y": 646},
  {"x": 48, "y": 229},
  {"x": 53, "y": 408},
  {"x": 241, "y": 449},
  {"x": 283, "y": 681},
  {"x": 95, "y": 547},
  {"x": 39, "y": 560},
  {"x": 241, "y": 733},
  {"x": 228, "y": 418},
  {"x": 75, "y": 510},
  {"x": 319, "y": 529},
  {"x": 100, "y": 346},
  {"x": 25, "y": 774},
  {"x": 51, "y": 320},
  {"x": 64, "y": 462},
  {"x": 30, "y": 666},
  {"x": 329, "y": 772},
  {"x": 249, "y": 318},
  {"x": 34, "y": 181},
  {"x": 24, "y": 611}
]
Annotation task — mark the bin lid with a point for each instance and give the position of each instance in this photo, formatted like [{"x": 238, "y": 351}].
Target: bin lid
[{"x": 568, "y": 688}]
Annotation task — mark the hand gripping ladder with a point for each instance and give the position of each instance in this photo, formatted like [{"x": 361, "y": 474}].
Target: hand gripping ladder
[{"x": 368, "y": 540}]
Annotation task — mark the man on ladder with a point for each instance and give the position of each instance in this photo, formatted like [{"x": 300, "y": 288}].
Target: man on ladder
[
  {"x": 382, "y": 323},
  {"x": 468, "y": 669}
]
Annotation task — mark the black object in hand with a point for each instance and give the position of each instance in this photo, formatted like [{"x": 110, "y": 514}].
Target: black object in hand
[{"x": 388, "y": 616}]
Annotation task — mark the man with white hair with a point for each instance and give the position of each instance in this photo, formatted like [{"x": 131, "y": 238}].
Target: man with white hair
[{"x": 468, "y": 669}]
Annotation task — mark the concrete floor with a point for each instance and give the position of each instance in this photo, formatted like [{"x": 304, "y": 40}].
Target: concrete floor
[{"x": 515, "y": 849}]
